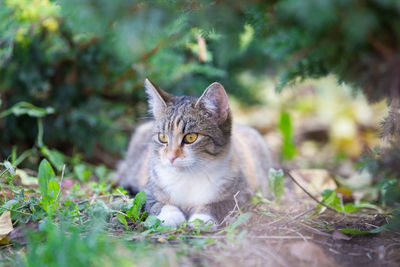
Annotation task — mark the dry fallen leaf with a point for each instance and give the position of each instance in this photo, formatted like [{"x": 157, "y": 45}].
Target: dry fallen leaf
[
  {"x": 337, "y": 235},
  {"x": 310, "y": 253},
  {"x": 25, "y": 178},
  {"x": 5, "y": 225}
]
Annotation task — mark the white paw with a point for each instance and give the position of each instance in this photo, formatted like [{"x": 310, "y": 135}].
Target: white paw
[
  {"x": 207, "y": 219},
  {"x": 171, "y": 216}
]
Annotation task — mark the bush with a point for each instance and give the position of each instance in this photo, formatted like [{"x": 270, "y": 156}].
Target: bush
[{"x": 88, "y": 60}]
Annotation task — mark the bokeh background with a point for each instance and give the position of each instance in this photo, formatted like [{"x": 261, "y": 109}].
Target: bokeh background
[
  {"x": 320, "y": 79},
  {"x": 314, "y": 77}
]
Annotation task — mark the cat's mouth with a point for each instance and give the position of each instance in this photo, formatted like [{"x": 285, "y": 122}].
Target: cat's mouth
[{"x": 179, "y": 164}]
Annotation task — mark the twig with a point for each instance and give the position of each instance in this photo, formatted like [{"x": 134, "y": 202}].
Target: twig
[
  {"x": 316, "y": 200},
  {"x": 124, "y": 198},
  {"x": 279, "y": 237},
  {"x": 236, "y": 202},
  {"x": 103, "y": 196},
  {"x": 315, "y": 231},
  {"x": 298, "y": 215},
  {"x": 309, "y": 194},
  {"x": 299, "y": 236},
  {"x": 59, "y": 191},
  {"x": 233, "y": 210},
  {"x": 296, "y": 232}
]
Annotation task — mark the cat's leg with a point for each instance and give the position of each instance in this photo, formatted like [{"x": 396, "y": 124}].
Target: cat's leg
[
  {"x": 213, "y": 213},
  {"x": 203, "y": 214},
  {"x": 204, "y": 217},
  {"x": 171, "y": 216}
]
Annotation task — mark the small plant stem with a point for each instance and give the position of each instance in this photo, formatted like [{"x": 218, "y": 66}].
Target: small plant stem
[
  {"x": 22, "y": 157},
  {"x": 40, "y": 132},
  {"x": 16, "y": 211},
  {"x": 59, "y": 191},
  {"x": 309, "y": 194},
  {"x": 4, "y": 193}
]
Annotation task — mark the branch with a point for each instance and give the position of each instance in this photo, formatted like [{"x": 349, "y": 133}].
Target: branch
[{"x": 309, "y": 194}]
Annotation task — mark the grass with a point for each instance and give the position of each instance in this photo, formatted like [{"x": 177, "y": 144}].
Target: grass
[{"x": 94, "y": 225}]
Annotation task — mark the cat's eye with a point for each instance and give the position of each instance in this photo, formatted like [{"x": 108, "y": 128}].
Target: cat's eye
[
  {"x": 190, "y": 138},
  {"x": 163, "y": 138}
]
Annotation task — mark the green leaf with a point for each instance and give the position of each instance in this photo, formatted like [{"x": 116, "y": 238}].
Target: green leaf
[
  {"x": 81, "y": 172},
  {"x": 331, "y": 199},
  {"x": 240, "y": 220},
  {"x": 54, "y": 156},
  {"x": 9, "y": 167},
  {"x": 101, "y": 172},
  {"x": 275, "y": 179},
  {"x": 350, "y": 207},
  {"x": 122, "y": 219},
  {"x": 46, "y": 173},
  {"x": 48, "y": 186},
  {"x": 53, "y": 189},
  {"x": 353, "y": 231},
  {"x": 25, "y": 108},
  {"x": 285, "y": 126},
  {"x": 151, "y": 222},
  {"x": 394, "y": 222},
  {"x": 135, "y": 211}
]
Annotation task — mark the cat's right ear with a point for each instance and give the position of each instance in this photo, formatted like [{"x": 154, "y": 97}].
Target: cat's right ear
[
  {"x": 215, "y": 100},
  {"x": 158, "y": 99}
]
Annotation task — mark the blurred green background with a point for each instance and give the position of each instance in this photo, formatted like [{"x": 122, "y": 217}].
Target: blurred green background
[
  {"x": 318, "y": 78},
  {"x": 80, "y": 67}
]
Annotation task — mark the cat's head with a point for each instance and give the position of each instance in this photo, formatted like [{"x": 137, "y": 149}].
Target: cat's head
[{"x": 190, "y": 132}]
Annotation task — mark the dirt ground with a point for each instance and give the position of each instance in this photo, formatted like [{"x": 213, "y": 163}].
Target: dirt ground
[{"x": 291, "y": 235}]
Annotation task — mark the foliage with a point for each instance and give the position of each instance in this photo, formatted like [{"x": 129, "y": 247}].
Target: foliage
[
  {"x": 71, "y": 81},
  {"x": 382, "y": 163},
  {"x": 135, "y": 214},
  {"x": 285, "y": 125},
  {"x": 48, "y": 186},
  {"x": 310, "y": 36},
  {"x": 275, "y": 181},
  {"x": 62, "y": 249},
  {"x": 65, "y": 55},
  {"x": 330, "y": 198},
  {"x": 45, "y": 64}
]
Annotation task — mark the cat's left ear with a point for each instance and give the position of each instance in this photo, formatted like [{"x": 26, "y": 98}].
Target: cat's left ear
[
  {"x": 215, "y": 100},
  {"x": 158, "y": 99}
]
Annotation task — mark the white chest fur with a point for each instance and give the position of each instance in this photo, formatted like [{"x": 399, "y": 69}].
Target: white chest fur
[{"x": 195, "y": 187}]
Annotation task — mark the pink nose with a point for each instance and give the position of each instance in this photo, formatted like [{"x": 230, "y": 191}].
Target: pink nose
[{"x": 172, "y": 158}]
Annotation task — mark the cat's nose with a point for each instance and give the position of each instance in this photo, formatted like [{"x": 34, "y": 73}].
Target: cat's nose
[{"x": 172, "y": 158}]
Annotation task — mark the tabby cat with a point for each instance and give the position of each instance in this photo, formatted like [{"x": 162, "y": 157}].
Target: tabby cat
[{"x": 191, "y": 161}]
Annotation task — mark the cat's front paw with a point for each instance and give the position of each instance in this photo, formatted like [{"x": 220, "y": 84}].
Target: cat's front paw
[
  {"x": 171, "y": 216},
  {"x": 206, "y": 218}
]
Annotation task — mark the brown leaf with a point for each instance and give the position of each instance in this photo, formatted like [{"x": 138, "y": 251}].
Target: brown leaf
[
  {"x": 337, "y": 235},
  {"x": 5, "y": 225}
]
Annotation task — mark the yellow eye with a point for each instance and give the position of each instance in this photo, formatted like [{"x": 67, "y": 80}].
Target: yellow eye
[
  {"x": 190, "y": 138},
  {"x": 163, "y": 138}
]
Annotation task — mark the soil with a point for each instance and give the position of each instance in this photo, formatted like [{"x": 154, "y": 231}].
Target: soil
[{"x": 297, "y": 237}]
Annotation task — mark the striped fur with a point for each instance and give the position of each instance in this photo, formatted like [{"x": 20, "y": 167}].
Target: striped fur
[{"x": 195, "y": 180}]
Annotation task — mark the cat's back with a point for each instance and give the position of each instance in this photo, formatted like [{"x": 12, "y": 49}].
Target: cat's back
[
  {"x": 253, "y": 156},
  {"x": 133, "y": 172}
]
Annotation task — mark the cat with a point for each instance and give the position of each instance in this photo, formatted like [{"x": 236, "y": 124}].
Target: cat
[{"x": 191, "y": 161}]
